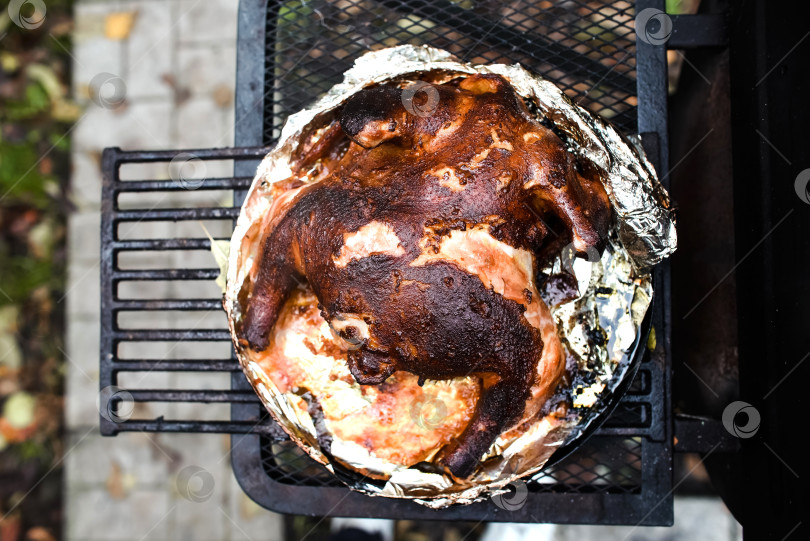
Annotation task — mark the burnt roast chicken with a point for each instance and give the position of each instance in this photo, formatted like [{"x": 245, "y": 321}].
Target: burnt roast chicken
[{"x": 400, "y": 231}]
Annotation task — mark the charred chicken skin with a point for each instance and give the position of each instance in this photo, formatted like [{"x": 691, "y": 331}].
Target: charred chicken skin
[{"x": 420, "y": 235}]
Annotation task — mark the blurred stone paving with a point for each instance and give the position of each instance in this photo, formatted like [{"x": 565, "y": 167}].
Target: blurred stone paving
[{"x": 177, "y": 61}]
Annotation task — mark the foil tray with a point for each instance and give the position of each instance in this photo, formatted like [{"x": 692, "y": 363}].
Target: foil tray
[{"x": 615, "y": 289}]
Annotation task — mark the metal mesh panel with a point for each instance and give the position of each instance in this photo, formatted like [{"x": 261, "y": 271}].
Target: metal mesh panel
[
  {"x": 286, "y": 463},
  {"x": 604, "y": 464},
  {"x": 586, "y": 48}
]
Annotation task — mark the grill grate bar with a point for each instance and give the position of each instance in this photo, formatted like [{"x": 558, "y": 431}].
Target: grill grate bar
[
  {"x": 175, "y": 366},
  {"x": 203, "y": 213},
  {"x": 151, "y": 156},
  {"x": 168, "y": 304},
  {"x": 173, "y": 335},
  {"x": 166, "y": 274},
  {"x": 632, "y": 398},
  {"x": 212, "y": 396},
  {"x": 266, "y": 429},
  {"x": 161, "y": 244},
  {"x": 175, "y": 186}
]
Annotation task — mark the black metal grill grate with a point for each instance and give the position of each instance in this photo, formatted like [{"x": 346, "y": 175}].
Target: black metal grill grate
[
  {"x": 586, "y": 48},
  {"x": 622, "y": 475},
  {"x": 604, "y": 464}
]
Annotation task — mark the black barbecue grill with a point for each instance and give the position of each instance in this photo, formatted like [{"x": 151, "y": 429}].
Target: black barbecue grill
[{"x": 288, "y": 54}]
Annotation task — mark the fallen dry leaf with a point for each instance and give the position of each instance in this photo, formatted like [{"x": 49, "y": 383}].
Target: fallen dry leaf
[
  {"x": 39, "y": 534},
  {"x": 10, "y": 527},
  {"x": 65, "y": 111},
  {"x": 223, "y": 96},
  {"x": 12, "y": 434},
  {"x": 115, "y": 482},
  {"x": 117, "y": 26},
  {"x": 46, "y": 166},
  {"x": 181, "y": 93}
]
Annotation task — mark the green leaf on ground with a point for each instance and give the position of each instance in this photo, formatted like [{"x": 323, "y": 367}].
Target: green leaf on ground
[{"x": 19, "y": 410}]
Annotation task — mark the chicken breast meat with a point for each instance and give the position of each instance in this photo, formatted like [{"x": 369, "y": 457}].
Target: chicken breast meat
[{"x": 420, "y": 234}]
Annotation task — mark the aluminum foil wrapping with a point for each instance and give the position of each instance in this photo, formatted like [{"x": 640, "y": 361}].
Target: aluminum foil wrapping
[{"x": 614, "y": 292}]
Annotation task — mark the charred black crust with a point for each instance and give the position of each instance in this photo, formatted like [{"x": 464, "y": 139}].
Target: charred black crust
[{"x": 375, "y": 103}]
